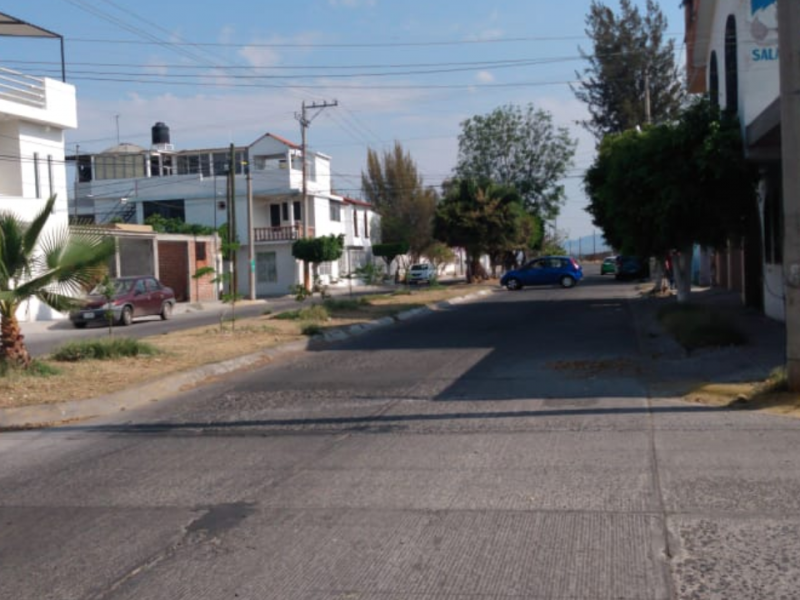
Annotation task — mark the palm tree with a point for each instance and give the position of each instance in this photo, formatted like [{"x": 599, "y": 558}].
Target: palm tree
[{"x": 54, "y": 267}]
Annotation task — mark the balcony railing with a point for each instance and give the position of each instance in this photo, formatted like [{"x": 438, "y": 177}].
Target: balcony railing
[
  {"x": 285, "y": 233},
  {"x": 17, "y": 87}
]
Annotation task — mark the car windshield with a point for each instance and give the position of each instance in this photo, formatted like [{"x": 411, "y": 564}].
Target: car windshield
[
  {"x": 419, "y": 267},
  {"x": 121, "y": 286}
]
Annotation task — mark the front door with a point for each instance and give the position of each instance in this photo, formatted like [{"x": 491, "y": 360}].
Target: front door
[{"x": 275, "y": 215}]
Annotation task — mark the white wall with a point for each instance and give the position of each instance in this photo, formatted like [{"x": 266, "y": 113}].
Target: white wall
[{"x": 759, "y": 83}]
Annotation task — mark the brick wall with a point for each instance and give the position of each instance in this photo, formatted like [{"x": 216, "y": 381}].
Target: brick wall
[{"x": 202, "y": 290}]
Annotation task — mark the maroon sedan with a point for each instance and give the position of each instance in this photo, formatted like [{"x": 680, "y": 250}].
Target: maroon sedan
[{"x": 133, "y": 297}]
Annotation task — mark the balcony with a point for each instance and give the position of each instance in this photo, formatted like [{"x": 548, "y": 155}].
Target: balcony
[
  {"x": 22, "y": 89},
  {"x": 285, "y": 233}
]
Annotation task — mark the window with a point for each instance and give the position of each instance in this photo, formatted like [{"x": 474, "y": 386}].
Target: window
[
  {"x": 266, "y": 267},
  {"x": 37, "y": 184},
  {"x": 152, "y": 285},
  {"x": 200, "y": 251},
  {"x": 285, "y": 208},
  {"x": 355, "y": 222},
  {"x": 169, "y": 209},
  {"x": 139, "y": 287},
  {"x": 366, "y": 224},
  {"x": 324, "y": 268},
  {"x": 298, "y": 213},
  {"x": 713, "y": 81},
  {"x": 731, "y": 67},
  {"x": 336, "y": 212}
]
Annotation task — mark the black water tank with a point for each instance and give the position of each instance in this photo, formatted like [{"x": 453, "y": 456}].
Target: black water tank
[{"x": 160, "y": 134}]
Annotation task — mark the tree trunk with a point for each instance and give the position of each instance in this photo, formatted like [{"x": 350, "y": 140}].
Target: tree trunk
[
  {"x": 12, "y": 348},
  {"x": 682, "y": 269},
  {"x": 660, "y": 282}
]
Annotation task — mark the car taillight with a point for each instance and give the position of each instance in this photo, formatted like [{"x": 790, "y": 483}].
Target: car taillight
[{"x": 575, "y": 264}]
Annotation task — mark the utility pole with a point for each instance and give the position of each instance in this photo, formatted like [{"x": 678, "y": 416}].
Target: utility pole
[
  {"x": 789, "y": 49},
  {"x": 305, "y": 122},
  {"x": 232, "y": 238},
  {"x": 251, "y": 245},
  {"x": 77, "y": 178},
  {"x": 647, "y": 115}
]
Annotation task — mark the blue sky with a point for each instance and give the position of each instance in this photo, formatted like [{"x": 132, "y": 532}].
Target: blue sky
[{"x": 401, "y": 70}]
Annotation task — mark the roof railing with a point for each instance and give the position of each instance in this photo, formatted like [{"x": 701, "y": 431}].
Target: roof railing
[{"x": 21, "y": 88}]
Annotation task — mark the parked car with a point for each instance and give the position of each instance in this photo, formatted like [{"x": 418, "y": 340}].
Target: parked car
[
  {"x": 545, "y": 270},
  {"x": 421, "y": 273},
  {"x": 609, "y": 266},
  {"x": 133, "y": 297},
  {"x": 632, "y": 267}
]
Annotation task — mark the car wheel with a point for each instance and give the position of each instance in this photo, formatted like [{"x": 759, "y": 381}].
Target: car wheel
[
  {"x": 79, "y": 325},
  {"x": 567, "y": 281},
  {"x": 126, "y": 318},
  {"x": 513, "y": 284},
  {"x": 166, "y": 311}
]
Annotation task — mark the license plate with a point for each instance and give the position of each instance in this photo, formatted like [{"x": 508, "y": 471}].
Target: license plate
[{"x": 88, "y": 315}]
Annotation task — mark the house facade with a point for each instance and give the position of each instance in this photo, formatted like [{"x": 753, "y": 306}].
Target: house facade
[
  {"x": 732, "y": 56},
  {"x": 34, "y": 115},
  {"x": 129, "y": 183}
]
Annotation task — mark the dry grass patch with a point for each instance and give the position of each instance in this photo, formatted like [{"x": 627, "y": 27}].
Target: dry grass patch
[
  {"x": 191, "y": 348},
  {"x": 769, "y": 396}
]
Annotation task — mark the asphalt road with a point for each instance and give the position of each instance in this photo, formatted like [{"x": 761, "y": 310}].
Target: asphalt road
[{"x": 506, "y": 448}]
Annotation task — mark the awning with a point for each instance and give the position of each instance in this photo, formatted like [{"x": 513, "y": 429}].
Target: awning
[{"x": 13, "y": 27}]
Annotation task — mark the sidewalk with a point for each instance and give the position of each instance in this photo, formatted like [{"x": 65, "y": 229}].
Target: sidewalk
[{"x": 676, "y": 372}]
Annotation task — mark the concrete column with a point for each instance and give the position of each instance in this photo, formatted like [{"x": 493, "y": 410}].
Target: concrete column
[{"x": 789, "y": 46}]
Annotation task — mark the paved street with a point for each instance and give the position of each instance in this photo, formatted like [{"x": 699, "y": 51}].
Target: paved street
[{"x": 505, "y": 448}]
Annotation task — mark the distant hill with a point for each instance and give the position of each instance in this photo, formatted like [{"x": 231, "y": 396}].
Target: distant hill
[{"x": 587, "y": 245}]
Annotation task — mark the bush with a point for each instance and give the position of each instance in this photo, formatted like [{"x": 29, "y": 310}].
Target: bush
[
  {"x": 289, "y": 315},
  {"x": 313, "y": 313},
  {"x": 310, "y": 329},
  {"x": 370, "y": 273},
  {"x": 696, "y": 327},
  {"x": 103, "y": 349},
  {"x": 346, "y": 304}
]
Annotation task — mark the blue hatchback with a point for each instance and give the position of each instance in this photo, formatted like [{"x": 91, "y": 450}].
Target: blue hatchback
[{"x": 545, "y": 270}]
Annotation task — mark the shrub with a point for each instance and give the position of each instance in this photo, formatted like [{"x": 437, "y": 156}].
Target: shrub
[
  {"x": 316, "y": 312},
  {"x": 289, "y": 315},
  {"x": 103, "y": 349},
  {"x": 370, "y": 273},
  {"x": 696, "y": 327},
  {"x": 310, "y": 329},
  {"x": 346, "y": 304}
]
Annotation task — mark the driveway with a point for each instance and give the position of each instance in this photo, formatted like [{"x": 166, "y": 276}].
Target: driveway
[{"x": 506, "y": 448}]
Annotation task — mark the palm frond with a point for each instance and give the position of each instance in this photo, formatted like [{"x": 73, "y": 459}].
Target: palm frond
[
  {"x": 14, "y": 263},
  {"x": 35, "y": 228}
]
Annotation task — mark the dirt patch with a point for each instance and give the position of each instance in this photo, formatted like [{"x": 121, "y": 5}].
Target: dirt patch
[
  {"x": 747, "y": 396},
  {"x": 191, "y": 348}
]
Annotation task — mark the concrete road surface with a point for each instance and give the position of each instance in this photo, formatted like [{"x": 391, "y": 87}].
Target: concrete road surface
[{"x": 507, "y": 448}]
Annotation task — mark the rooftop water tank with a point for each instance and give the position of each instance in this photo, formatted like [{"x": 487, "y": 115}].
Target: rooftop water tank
[{"x": 160, "y": 134}]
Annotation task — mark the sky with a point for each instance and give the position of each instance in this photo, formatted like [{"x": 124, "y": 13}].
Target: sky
[{"x": 401, "y": 70}]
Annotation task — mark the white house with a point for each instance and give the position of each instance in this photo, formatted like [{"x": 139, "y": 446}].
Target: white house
[
  {"x": 732, "y": 55},
  {"x": 131, "y": 183},
  {"x": 34, "y": 113}
]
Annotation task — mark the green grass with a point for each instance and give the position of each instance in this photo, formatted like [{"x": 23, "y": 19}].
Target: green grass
[
  {"x": 695, "y": 326},
  {"x": 316, "y": 312},
  {"x": 103, "y": 349},
  {"x": 345, "y": 304},
  {"x": 37, "y": 368}
]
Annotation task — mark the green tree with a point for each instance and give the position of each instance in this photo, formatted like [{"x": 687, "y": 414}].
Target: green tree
[
  {"x": 483, "y": 218},
  {"x": 630, "y": 57},
  {"x": 672, "y": 186},
  {"x": 55, "y": 266},
  {"x": 318, "y": 250},
  {"x": 389, "y": 252},
  {"x": 520, "y": 147},
  {"x": 394, "y": 186}
]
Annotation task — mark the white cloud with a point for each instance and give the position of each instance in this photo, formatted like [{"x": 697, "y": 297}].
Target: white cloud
[
  {"x": 484, "y": 77},
  {"x": 353, "y": 3}
]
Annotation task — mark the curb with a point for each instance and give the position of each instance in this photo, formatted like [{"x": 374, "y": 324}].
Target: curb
[{"x": 46, "y": 415}]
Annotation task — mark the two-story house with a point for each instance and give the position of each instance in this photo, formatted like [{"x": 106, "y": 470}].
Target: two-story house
[
  {"x": 732, "y": 55},
  {"x": 34, "y": 114},
  {"x": 131, "y": 183}
]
